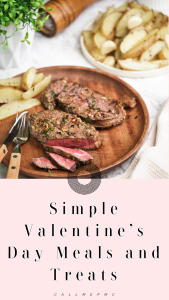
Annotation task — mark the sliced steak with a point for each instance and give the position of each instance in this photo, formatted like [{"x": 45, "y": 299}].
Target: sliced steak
[
  {"x": 56, "y": 128},
  {"x": 77, "y": 155},
  {"x": 44, "y": 163},
  {"x": 62, "y": 162},
  {"x": 93, "y": 107}
]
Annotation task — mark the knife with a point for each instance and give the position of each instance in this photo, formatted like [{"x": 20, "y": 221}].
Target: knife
[{"x": 12, "y": 133}]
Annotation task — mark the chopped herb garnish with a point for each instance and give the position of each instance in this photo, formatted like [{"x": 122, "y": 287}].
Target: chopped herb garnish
[
  {"x": 80, "y": 85},
  {"x": 98, "y": 109},
  {"x": 71, "y": 108},
  {"x": 39, "y": 140},
  {"x": 65, "y": 86},
  {"x": 93, "y": 96},
  {"x": 86, "y": 90},
  {"x": 58, "y": 132},
  {"x": 94, "y": 103},
  {"x": 49, "y": 171},
  {"x": 86, "y": 120},
  {"x": 53, "y": 93}
]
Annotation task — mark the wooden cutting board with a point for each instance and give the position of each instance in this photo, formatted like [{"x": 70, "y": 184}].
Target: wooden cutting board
[{"x": 119, "y": 143}]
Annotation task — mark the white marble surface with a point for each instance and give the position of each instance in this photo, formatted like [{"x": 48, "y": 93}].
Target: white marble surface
[{"x": 64, "y": 49}]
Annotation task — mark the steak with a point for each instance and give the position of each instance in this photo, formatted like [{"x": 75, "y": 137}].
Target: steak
[
  {"x": 77, "y": 155},
  {"x": 93, "y": 107},
  {"x": 44, "y": 163},
  {"x": 56, "y": 128},
  {"x": 62, "y": 162}
]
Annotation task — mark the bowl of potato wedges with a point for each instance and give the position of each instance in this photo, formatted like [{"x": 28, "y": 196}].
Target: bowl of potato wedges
[{"x": 129, "y": 41}]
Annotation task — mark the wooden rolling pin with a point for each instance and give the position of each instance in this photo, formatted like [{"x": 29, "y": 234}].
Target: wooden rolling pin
[{"x": 63, "y": 14}]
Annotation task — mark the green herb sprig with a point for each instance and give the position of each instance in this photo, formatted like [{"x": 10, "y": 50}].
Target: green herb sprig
[{"x": 23, "y": 14}]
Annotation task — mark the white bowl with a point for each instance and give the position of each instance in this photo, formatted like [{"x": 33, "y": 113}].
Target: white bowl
[
  {"x": 158, "y": 5},
  {"x": 117, "y": 72}
]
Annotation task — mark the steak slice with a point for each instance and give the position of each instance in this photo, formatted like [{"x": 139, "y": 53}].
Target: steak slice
[
  {"x": 77, "y": 155},
  {"x": 62, "y": 162},
  {"x": 44, "y": 163},
  {"x": 56, "y": 128},
  {"x": 93, "y": 107}
]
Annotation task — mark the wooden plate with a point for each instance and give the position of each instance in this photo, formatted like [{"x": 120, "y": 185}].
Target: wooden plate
[{"x": 119, "y": 143}]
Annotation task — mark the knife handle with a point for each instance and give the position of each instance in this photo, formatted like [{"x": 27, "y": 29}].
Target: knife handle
[
  {"x": 3, "y": 152},
  {"x": 14, "y": 165}
]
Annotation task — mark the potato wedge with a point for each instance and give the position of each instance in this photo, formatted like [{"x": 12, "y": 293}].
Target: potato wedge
[
  {"x": 162, "y": 32},
  {"x": 97, "y": 55},
  {"x": 110, "y": 37},
  {"x": 166, "y": 39},
  {"x": 151, "y": 52},
  {"x": 131, "y": 65},
  {"x": 148, "y": 16},
  {"x": 149, "y": 26},
  {"x": 142, "y": 45},
  {"x": 117, "y": 41},
  {"x": 122, "y": 23},
  {"x": 38, "y": 77},
  {"x": 98, "y": 39},
  {"x": 131, "y": 39},
  {"x": 88, "y": 39},
  {"x": 37, "y": 89},
  {"x": 123, "y": 7},
  {"x": 117, "y": 53},
  {"x": 97, "y": 23},
  {"x": 110, "y": 22},
  {"x": 122, "y": 33},
  {"x": 15, "y": 82},
  {"x": 109, "y": 61},
  {"x": 17, "y": 106},
  {"x": 164, "y": 54},
  {"x": 108, "y": 46},
  {"x": 145, "y": 7},
  {"x": 158, "y": 20},
  {"x": 117, "y": 66},
  {"x": 28, "y": 78},
  {"x": 133, "y": 22},
  {"x": 110, "y": 9},
  {"x": 8, "y": 94},
  {"x": 134, "y": 4}
]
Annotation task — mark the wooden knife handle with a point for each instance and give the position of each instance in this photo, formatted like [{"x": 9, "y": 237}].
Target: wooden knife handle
[
  {"x": 63, "y": 14},
  {"x": 14, "y": 165},
  {"x": 3, "y": 152}
]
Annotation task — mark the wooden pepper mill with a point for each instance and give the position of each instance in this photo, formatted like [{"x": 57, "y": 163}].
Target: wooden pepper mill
[{"x": 63, "y": 14}]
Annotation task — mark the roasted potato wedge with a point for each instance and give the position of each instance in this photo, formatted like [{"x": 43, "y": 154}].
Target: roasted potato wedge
[
  {"x": 158, "y": 20},
  {"x": 141, "y": 46},
  {"x": 8, "y": 94},
  {"x": 162, "y": 32},
  {"x": 109, "y": 61},
  {"x": 123, "y": 7},
  {"x": 166, "y": 39},
  {"x": 97, "y": 22},
  {"x": 117, "y": 66},
  {"x": 117, "y": 53},
  {"x": 148, "y": 16},
  {"x": 38, "y": 77},
  {"x": 134, "y": 4},
  {"x": 28, "y": 78},
  {"x": 164, "y": 54},
  {"x": 149, "y": 26},
  {"x": 131, "y": 65},
  {"x": 122, "y": 23},
  {"x": 108, "y": 46},
  {"x": 17, "y": 106},
  {"x": 131, "y": 39},
  {"x": 97, "y": 55},
  {"x": 110, "y": 9},
  {"x": 88, "y": 39},
  {"x": 110, "y": 22},
  {"x": 15, "y": 82},
  {"x": 98, "y": 39},
  {"x": 37, "y": 89},
  {"x": 151, "y": 52}
]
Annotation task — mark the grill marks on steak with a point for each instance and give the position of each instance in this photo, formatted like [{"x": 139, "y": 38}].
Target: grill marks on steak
[
  {"x": 77, "y": 155},
  {"x": 56, "y": 128},
  {"x": 62, "y": 162},
  {"x": 100, "y": 110}
]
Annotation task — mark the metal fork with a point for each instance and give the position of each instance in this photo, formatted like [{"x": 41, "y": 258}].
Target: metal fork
[{"x": 20, "y": 139}]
